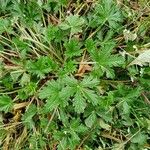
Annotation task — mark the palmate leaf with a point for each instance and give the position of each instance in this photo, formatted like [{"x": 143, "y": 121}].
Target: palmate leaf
[
  {"x": 51, "y": 32},
  {"x": 77, "y": 126},
  {"x": 50, "y": 88},
  {"x": 70, "y": 81},
  {"x": 127, "y": 93},
  {"x": 68, "y": 136},
  {"x": 24, "y": 11},
  {"x": 41, "y": 67},
  {"x": 72, "y": 48},
  {"x": 83, "y": 93},
  {"x": 74, "y": 23},
  {"x": 58, "y": 93},
  {"x": 27, "y": 91},
  {"x": 69, "y": 67},
  {"x": 107, "y": 11},
  {"x": 54, "y": 94},
  {"x": 105, "y": 60}
]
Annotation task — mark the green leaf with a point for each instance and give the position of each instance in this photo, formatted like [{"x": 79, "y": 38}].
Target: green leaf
[
  {"x": 25, "y": 79},
  {"x": 76, "y": 126},
  {"x": 6, "y": 103},
  {"x": 90, "y": 120},
  {"x": 41, "y": 67},
  {"x": 107, "y": 11},
  {"x": 91, "y": 96},
  {"x": 126, "y": 108},
  {"x": 82, "y": 92},
  {"x": 65, "y": 94},
  {"x": 27, "y": 118},
  {"x": 21, "y": 45},
  {"x": 103, "y": 125},
  {"x": 79, "y": 103},
  {"x": 55, "y": 95},
  {"x": 51, "y": 32},
  {"x": 89, "y": 82},
  {"x": 105, "y": 60},
  {"x": 15, "y": 75},
  {"x": 74, "y": 23},
  {"x": 139, "y": 138},
  {"x": 69, "y": 68},
  {"x": 90, "y": 45},
  {"x": 51, "y": 88},
  {"x": 72, "y": 48},
  {"x": 52, "y": 103},
  {"x": 47, "y": 90},
  {"x": 24, "y": 11},
  {"x": 4, "y": 25},
  {"x": 70, "y": 81},
  {"x": 27, "y": 90},
  {"x": 5, "y": 6}
]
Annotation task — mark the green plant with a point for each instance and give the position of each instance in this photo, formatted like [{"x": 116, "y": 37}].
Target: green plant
[{"x": 74, "y": 75}]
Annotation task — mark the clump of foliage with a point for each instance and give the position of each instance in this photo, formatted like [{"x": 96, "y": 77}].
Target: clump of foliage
[{"x": 74, "y": 75}]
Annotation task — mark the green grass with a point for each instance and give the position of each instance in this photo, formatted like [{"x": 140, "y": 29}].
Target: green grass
[{"x": 74, "y": 75}]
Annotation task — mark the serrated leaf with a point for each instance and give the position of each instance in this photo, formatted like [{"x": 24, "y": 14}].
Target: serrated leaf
[
  {"x": 25, "y": 79},
  {"x": 109, "y": 72},
  {"x": 46, "y": 91},
  {"x": 65, "y": 95},
  {"x": 90, "y": 45},
  {"x": 91, "y": 96},
  {"x": 106, "y": 11},
  {"x": 79, "y": 103},
  {"x": 41, "y": 67},
  {"x": 51, "y": 32},
  {"x": 74, "y": 23},
  {"x": 55, "y": 94},
  {"x": 6, "y": 103},
  {"x": 70, "y": 81},
  {"x": 66, "y": 92},
  {"x": 89, "y": 82},
  {"x": 72, "y": 48},
  {"x": 27, "y": 117},
  {"x": 52, "y": 103},
  {"x": 115, "y": 60},
  {"x": 69, "y": 68},
  {"x": 90, "y": 120},
  {"x": 51, "y": 88},
  {"x": 105, "y": 60}
]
